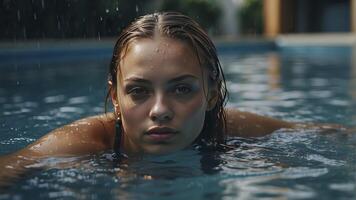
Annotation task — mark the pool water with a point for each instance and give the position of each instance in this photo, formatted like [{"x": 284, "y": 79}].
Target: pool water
[{"x": 300, "y": 84}]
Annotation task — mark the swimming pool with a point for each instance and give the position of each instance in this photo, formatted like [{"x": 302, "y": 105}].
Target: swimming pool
[{"x": 42, "y": 90}]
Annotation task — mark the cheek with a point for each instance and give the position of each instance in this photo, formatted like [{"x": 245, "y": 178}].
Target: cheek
[
  {"x": 132, "y": 115},
  {"x": 193, "y": 113}
]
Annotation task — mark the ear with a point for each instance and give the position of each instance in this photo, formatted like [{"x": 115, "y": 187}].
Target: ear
[
  {"x": 212, "y": 98},
  {"x": 114, "y": 97}
]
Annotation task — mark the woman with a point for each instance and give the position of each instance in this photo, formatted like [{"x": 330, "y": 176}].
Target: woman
[{"x": 168, "y": 92}]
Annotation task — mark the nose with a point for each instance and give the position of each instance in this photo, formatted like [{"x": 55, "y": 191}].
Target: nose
[{"x": 161, "y": 111}]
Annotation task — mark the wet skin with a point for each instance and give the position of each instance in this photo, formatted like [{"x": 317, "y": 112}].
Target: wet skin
[{"x": 161, "y": 96}]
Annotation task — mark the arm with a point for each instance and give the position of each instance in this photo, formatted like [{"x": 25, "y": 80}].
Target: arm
[
  {"x": 245, "y": 124},
  {"x": 85, "y": 136}
]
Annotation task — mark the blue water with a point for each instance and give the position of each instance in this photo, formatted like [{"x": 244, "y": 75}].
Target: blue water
[{"x": 40, "y": 92}]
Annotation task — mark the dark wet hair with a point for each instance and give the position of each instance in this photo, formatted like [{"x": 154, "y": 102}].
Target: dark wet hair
[{"x": 178, "y": 26}]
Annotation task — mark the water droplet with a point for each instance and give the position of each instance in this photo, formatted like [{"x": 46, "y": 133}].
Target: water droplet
[
  {"x": 24, "y": 32},
  {"x": 136, "y": 8},
  {"x": 107, "y": 10},
  {"x": 58, "y": 25},
  {"x": 242, "y": 116},
  {"x": 18, "y": 15},
  {"x": 9, "y": 167}
]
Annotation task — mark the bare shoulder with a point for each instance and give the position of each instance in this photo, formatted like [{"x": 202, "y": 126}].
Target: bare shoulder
[
  {"x": 246, "y": 124},
  {"x": 85, "y": 136},
  {"x": 88, "y": 135}
]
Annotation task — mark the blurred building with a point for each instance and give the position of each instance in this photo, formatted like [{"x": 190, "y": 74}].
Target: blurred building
[{"x": 306, "y": 16}]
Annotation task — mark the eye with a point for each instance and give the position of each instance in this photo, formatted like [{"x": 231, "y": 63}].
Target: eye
[
  {"x": 137, "y": 92},
  {"x": 182, "y": 89}
]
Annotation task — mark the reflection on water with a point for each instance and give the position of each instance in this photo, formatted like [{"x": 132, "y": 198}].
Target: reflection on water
[
  {"x": 274, "y": 71},
  {"x": 353, "y": 80},
  {"x": 296, "y": 85}
]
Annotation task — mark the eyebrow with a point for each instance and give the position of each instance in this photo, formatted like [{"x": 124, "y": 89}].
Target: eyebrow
[{"x": 176, "y": 79}]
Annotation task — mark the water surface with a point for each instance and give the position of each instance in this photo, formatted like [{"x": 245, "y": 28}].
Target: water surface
[{"x": 297, "y": 84}]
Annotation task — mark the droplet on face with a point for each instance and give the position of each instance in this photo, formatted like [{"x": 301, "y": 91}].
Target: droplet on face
[{"x": 242, "y": 116}]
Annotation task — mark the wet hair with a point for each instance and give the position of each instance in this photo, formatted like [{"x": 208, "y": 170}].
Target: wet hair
[{"x": 175, "y": 25}]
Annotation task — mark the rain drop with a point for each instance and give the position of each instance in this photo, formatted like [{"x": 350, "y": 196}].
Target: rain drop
[
  {"x": 18, "y": 15},
  {"x": 58, "y": 25},
  {"x": 24, "y": 32}
]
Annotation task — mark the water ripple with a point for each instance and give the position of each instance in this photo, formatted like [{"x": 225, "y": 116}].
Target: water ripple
[
  {"x": 78, "y": 100},
  {"x": 303, "y": 172},
  {"x": 54, "y": 99},
  {"x": 324, "y": 160}
]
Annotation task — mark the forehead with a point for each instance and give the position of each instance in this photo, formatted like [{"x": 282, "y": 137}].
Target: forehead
[{"x": 159, "y": 56}]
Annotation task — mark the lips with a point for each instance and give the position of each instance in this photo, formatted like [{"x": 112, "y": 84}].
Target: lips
[{"x": 161, "y": 133}]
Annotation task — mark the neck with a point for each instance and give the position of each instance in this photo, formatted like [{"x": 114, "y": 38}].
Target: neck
[{"x": 128, "y": 147}]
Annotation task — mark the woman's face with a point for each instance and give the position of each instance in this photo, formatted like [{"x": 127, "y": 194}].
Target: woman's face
[{"x": 162, "y": 96}]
